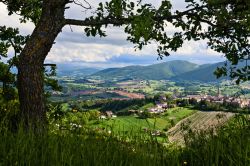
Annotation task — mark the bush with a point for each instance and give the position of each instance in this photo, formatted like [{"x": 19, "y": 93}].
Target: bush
[{"x": 94, "y": 115}]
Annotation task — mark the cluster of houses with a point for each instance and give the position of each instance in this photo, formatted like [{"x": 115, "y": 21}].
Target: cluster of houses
[
  {"x": 239, "y": 102},
  {"x": 159, "y": 108},
  {"x": 108, "y": 115},
  {"x": 242, "y": 103}
]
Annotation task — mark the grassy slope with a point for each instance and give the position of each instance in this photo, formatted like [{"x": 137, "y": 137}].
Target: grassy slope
[
  {"x": 198, "y": 121},
  {"x": 134, "y": 123}
]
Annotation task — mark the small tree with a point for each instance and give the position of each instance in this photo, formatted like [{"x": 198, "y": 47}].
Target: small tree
[{"x": 94, "y": 114}]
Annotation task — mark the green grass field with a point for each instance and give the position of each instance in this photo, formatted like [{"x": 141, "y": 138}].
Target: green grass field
[{"x": 134, "y": 123}]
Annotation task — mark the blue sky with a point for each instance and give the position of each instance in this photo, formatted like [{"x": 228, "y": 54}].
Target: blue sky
[{"x": 112, "y": 51}]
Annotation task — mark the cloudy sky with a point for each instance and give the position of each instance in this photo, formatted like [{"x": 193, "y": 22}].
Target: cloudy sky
[{"x": 112, "y": 51}]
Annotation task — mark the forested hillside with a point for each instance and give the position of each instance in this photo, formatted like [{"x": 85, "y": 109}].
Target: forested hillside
[
  {"x": 174, "y": 70},
  {"x": 160, "y": 71}
]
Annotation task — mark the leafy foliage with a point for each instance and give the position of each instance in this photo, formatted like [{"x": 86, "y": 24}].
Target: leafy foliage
[
  {"x": 231, "y": 37},
  {"x": 28, "y": 9},
  {"x": 10, "y": 38}
]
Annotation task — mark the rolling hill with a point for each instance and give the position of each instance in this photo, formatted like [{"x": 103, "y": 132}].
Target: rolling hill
[
  {"x": 204, "y": 73},
  {"x": 160, "y": 71},
  {"x": 79, "y": 72},
  {"x": 177, "y": 70}
]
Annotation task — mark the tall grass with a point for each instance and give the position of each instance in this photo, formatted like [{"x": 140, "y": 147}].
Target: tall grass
[
  {"x": 230, "y": 145},
  {"x": 73, "y": 149}
]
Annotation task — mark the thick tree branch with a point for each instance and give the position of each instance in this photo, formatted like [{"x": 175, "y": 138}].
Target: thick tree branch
[
  {"x": 104, "y": 21},
  {"x": 126, "y": 20}
]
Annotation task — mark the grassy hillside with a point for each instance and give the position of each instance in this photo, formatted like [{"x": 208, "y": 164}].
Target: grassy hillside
[
  {"x": 120, "y": 73},
  {"x": 160, "y": 71},
  {"x": 204, "y": 73},
  {"x": 135, "y": 124}
]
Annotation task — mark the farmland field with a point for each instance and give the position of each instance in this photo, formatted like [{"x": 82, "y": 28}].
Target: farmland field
[
  {"x": 74, "y": 88},
  {"x": 135, "y": 123},
  {"x": 198, "y": 121}
]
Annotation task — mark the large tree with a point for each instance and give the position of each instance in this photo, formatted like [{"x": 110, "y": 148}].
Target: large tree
[{"x": 224, "y": 23}]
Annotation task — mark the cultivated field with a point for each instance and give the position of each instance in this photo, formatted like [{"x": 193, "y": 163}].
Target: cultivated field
[
  {"x": 127, "y": 94},
  {"x": 198, "y": 121}
]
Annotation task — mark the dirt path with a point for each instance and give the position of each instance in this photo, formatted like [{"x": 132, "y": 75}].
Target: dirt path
[{"x": 197, "y": 121}]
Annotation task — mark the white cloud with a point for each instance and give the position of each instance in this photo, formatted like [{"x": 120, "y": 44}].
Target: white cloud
[
  {"x": 191, "y": 48},
  {"x": 75, "y": 52},
  {"x": 89, "y": 52}
]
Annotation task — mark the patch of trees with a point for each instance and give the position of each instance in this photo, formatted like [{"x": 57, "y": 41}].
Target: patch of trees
[
  {"x": 205, "y": 105},
  {"x": 70, "y": 118},
  {"x": 110, "y": 105}
]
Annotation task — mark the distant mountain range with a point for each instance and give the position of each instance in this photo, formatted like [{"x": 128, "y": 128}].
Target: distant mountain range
[{"x": 177, "y": 70}]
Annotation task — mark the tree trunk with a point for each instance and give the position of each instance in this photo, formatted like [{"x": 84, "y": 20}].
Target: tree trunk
[
  {"x": 30, "y": 89},
  {"x": 30, "y": 67}
]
